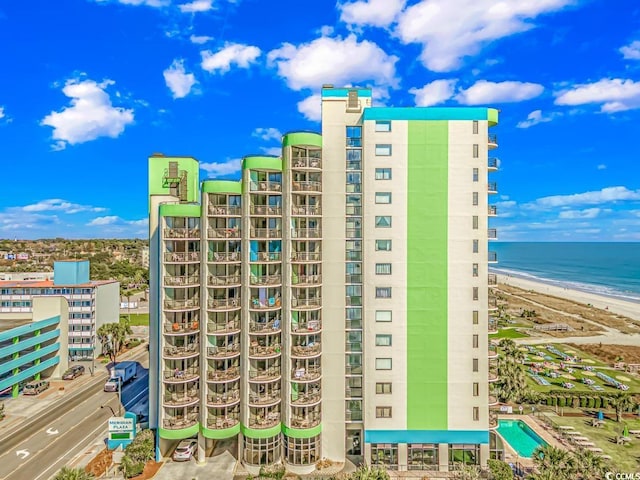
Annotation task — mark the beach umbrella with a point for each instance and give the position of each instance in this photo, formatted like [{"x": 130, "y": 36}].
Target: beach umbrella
[
  {"x": 625, "y": 432},
  {"x": 600, "y": 415}
]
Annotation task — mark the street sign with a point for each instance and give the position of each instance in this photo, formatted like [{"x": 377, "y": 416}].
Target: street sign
[
  {"x": 121, "y": 424},
  {"x": 122, "y": 430}
]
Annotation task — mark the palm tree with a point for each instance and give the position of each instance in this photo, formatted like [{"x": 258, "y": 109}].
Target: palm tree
[
  {"x": 112, "y": 337},
  {"x": 73, "y": 474},
  {"x": 589, "y": 465},
  {"x": 556, "y": 462},
  {"x": 621, "y": 403},
  {"x": 369, "y": 473}
]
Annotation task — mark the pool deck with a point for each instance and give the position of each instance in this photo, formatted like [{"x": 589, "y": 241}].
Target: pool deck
[{"x": 510, "y": 455}]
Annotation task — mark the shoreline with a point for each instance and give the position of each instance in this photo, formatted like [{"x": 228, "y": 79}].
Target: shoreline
[{"x": 616, "y": 305}]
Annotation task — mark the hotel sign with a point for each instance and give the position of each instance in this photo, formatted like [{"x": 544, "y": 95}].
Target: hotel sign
[
  {"x": 122, "y": 430},
  {"x": 121, "y": 424}
]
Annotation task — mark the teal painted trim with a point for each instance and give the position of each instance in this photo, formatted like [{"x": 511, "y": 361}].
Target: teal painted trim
[
  {"x": 220, "y": 434},
  {"x": 14, "y": 380},
  {"x": 344, "y": 92},
  {"x": 262, "y": 162},
  {"x": 427, "y": 436},
  {"x": 302, "y": 138},
  {"x": 180, "y": 433},
  {"x": 29, "y": 342},
  {"x": 72, "y": 272},
  {"x": 180, "y": 210},
  {"x": 302, "y": 432},
  {"x": 428, "y": 113},
  {"x": 260, "y": 433},
  {"x": 222, "y": 186},
  {"x": 34, "y": 356},
  {"x": 28, "y": 328}
]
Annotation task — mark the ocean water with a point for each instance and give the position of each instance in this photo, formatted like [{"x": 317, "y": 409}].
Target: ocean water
[{"x": 611, "y": 269}]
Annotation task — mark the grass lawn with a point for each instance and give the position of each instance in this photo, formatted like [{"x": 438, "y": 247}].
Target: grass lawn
[
  {"x": 508, "y": 333},
  {"x": 624, "y": 457},
  {"x": 137, "y": 319}
]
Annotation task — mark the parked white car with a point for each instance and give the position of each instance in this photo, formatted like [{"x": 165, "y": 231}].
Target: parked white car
[{"x": 184, "y": 451}]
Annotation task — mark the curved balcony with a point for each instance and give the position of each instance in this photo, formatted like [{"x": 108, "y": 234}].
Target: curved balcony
[
  {"x": 265, "y": 399},
  {"x": 493, "y": 376},
  {"x": 231, "y": 374},
  {"x": 231, "y": 232},
  {"x": 492, "y": 257},
  {"x": 265, "y": 279},
  {"x": 182, "y": 281},
  {"x": 306, "y": 303},
  {"x": 306, "y": 374},
  {"x": 492, "y": 279},
  {"x": 181, "y": 376},
  {"x": 265, "y": 186},
  {"x": 306, "y": 257},
  {"x": 259, "y": 423},
  {"x": 492, "y": 303},
  {"x": 308, "y": 327},
  {"x": 306, "y": 210},
  {"x": 265, "y": 351},
  {"x": 492, "y": 188},
  {"x": 223, "y": 399},
  {"x": 492, "y": 163},
  {"x": 492, "y": 326},
  {"x": 306, "y": 186},
  {"x": 223, "y": 304},
  {"x": 492, "y": 233},
  {"x": 181, "y": 399},
  {"x": 265, "y": 375},
  {"x": 493, "y": 401},
  {"x": 182, "y": 233},
  {"x": 223, "y": 328},
  {"x": 492, "y": 210},
  {"x": 265, "y": 328},
  {"x": 225, "y": 211},
  {"x": 220, "y": 353},
  {"x": 266, "y": 257},
  {"x": 171, "y": 352},
  {"x": 306, "y": 421},
  {"x": 224, "y": 280},
  {"x": 306, "y": 163},
  {"x": 492, "y": 141},
  {"x": 182, "y": 257},
  {"x": 265, "y": 210},
  {"x": 267, "y": 304},
  {"x": 306, "y": 233},
  {"x": 493, "y": 421},
  {"x": 492, "y": 351},
  {"x": 265, "y": 233},
  {"x": 180, "y": 423},
  {"x": 307, "y": 399},
  {"x": 181, "y": 328},
  {"x": 182, "y": 304},
  {"x": 306, "y": 351},
  {"x": 219, "y": 422},
  {"x": 302, "y": 280},
  {"x": 224, "y": 257}
]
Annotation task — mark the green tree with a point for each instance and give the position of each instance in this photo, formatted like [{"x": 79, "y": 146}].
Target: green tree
[
  {"x": 556, "y": 462},
  {"x": 621, "y": 403},
  {"x": 67, "y": 473},
  {"x": 589, "y": 465},
  {"x": 112, "y": 336},
  {"x": 138, "y": 453},
  {"x": 369, "y": 473},
  {"x": 466, "y": 472},
  {"x": 499, "y": 470}
]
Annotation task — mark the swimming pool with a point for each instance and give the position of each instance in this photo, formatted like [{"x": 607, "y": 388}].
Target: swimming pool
[{"x": 520, "y": 436}]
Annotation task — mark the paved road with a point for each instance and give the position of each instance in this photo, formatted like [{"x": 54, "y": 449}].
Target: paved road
[{"x": 53, "y": 443}]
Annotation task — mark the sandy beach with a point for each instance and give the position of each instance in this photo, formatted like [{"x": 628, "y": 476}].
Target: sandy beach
[{"x": 614, "y": 305}]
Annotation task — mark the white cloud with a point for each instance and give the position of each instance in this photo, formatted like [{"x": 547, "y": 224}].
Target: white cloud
[
  {"x": 277, "y": 151},
  {"x": 200, "y": 39},
  {"x": 196, "y": 6},
  {"x": 377, "y": 13},
  {"x": 596, "y": 197},
  {"x": 222, "y": 168},
  {"x": 114, "y": 220},
  {"x": 434, "y": 93},
  {"x": 484, "y": 92},
  {"x": 580, "y": 214},
  {"x": 178, "y": 80},
  {"x": 242, "y": 55},
  {"x": 90, "y": 114},
  {"x": 631, "y": 51},
  {"x": 451, "y": 30},
  {"x": 2, "y": 114},
  {"x": 602, "y": 166},
  {"x": 267, "y": 134},
  {"x": 108, "y": 220},
  {"x": 615, "y": 95},
  {"x": 333, "y": 60},
  {"x": 534, "y": 118},
  {"x": 57, "y": 204},
  {"x": 148, "y": 3},
  {"x": 311, "y": 107}
]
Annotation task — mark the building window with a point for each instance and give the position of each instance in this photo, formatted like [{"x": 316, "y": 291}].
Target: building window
[
  {"x": 383, "y": 269},
  {"x": 476, "y": 246},
  {"x": 475, "y": 198},
  {"x": 354, "y": 136},
  {"x": 385, "y": 454},
  {"x": 383, "y": 340},
  {"x": 475, "y": 339},
  {"x": 383, "y": 174},
  {"x": 383, "y": 292},
  {"x": 383, "y": 150},
  {"x": 258, "y": 451},
  {"x": 383, "y": 315},
  {"x": 475, "y": 269},
  {"x": 383, "y": 125},
  {"x": 476, "y": 414},
  {"x": 476, "y": 174},
  {"x": 475, "y": 364},
  {"x": 383, "y": 197},
  {"x": 383, "y": 412},
  {"x": 383, "y": 364},
  {"x": 474, "y": 222},
  {"x": 383, "y": 245},
  {"x": 475, "y": 126},
  {"x": 476, "y": 389},
  {"x": 476, "y": 316},
  {"x": 476, "y": 150},
  {"x": 464, "y": 454},
  {"x": 383, "y": 221},
  {"x": 475, "y": 293},
  {"x": 354, "y": 159},
  {"x": 302, "y": 451},
  {"x": 354, "y": 182},
  {"x": 383, "y": 388},
  {"x": 423, "y": 456}
]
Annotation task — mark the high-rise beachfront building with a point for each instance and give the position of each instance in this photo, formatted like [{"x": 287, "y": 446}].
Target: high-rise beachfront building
[{"x": 334, "y": 302}]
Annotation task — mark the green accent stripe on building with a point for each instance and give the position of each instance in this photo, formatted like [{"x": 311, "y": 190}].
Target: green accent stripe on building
[
  {"x": 492, "y": 116},
  {"x": 302, "y": 138},
  {"x": 179, "y": 210},
  {"x": 180, "y": 433},
  {"x": 262, "y": 163},
  {"x": 427, "y": 220},
  {"x": 430, "y": 113},
  {"x": 302, "y": 433},
  {"x": 222, "y": 433},
  {"x": 260, "y": 433},
  {"x": 222, "y": 186}
]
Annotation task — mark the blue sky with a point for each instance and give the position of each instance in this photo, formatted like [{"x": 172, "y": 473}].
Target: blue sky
[{"x": 90, "y": 88}]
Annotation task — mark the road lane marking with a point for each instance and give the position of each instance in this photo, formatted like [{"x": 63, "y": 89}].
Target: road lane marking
[
  {"x": 51, "y": 431},
  {"x": 23, "y": 453}
]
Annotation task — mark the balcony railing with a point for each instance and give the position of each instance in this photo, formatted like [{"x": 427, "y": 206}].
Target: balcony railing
[
  {"x": 267, "y": 257},
  {"x": 304, "y": 303},
  {"x": 493, "y": 162},
  {"x": 306, "y": 210},
  {"x": 181, "y": 257},
  {"x": 181, "y": 327},
  {"x": 266, "y": 304},
  {"x": 306, "y": 162},
  {"x": 353, "y": 369},
  {"x": 492, "y": 233},
  {"x": 180, "y": 376},
  {"x": 222, "y": 422},
  {"x": 224, "y": 256},
  {"x": 265, "y": 279},
  {"x": 353, "y": 415},
  {"x": 492, "y": 326},
  {"x": 492, "y": 187},
  {"x": 231, "y": 373},
  {"x": 180, "y": 399},
  {"x": 272, "y": 419},
  {"x": 182, "y": 233},
  {"x": 265, "y": 210},
  {"x": 306, "y": 374},
  {"x": 353, "y": 278},
  {"x": 306, "y": 350},
  {"x": 188, "y": 350},
  {"x": 492, "y": 376},
  {"x": 223, "y": 399},
  {"x": 492, "y": 257},
  {"x": 493, "y": 139},
  {"x": 306, "y": 279},
  {"x": 265, "y": 398},
  {"x": 310, "y": 326},
  {"x": 181, "y": 281},
  {"x": 354, "y": 324},
  {"x": 306, "y": 233},
  {"x": 178, "y": 423},
  {"x": 492, "y": 351},
  {"x": 306, "y": 186},
  {"x": 298, "y": 421},
  {"x": 233, "y": 232},
  {"x": 224, "y": 352},
  {"x": 492, "y": 279},
  {"x": 272, "y": 326},
  {"x": 265, "y": 374},
  {"x": 224, "y": 210},
  {"x": 492, "y": 210},
  {"x": 264, "y": 350},
  {"x": 492, "y": 303},
  {"x": 310, "y": 398},
  {"x": 266, "y": 233},
  {"x": 182, "y": 304},
  {"x": 265, "y": 186},
  {"x": 223, "y": 303},
  {"x": 353, "y": 346},
  {"x": 306, "y": 256},
  {"x": 226, "y": 327},
  {"x": 215, "y": 280}
]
